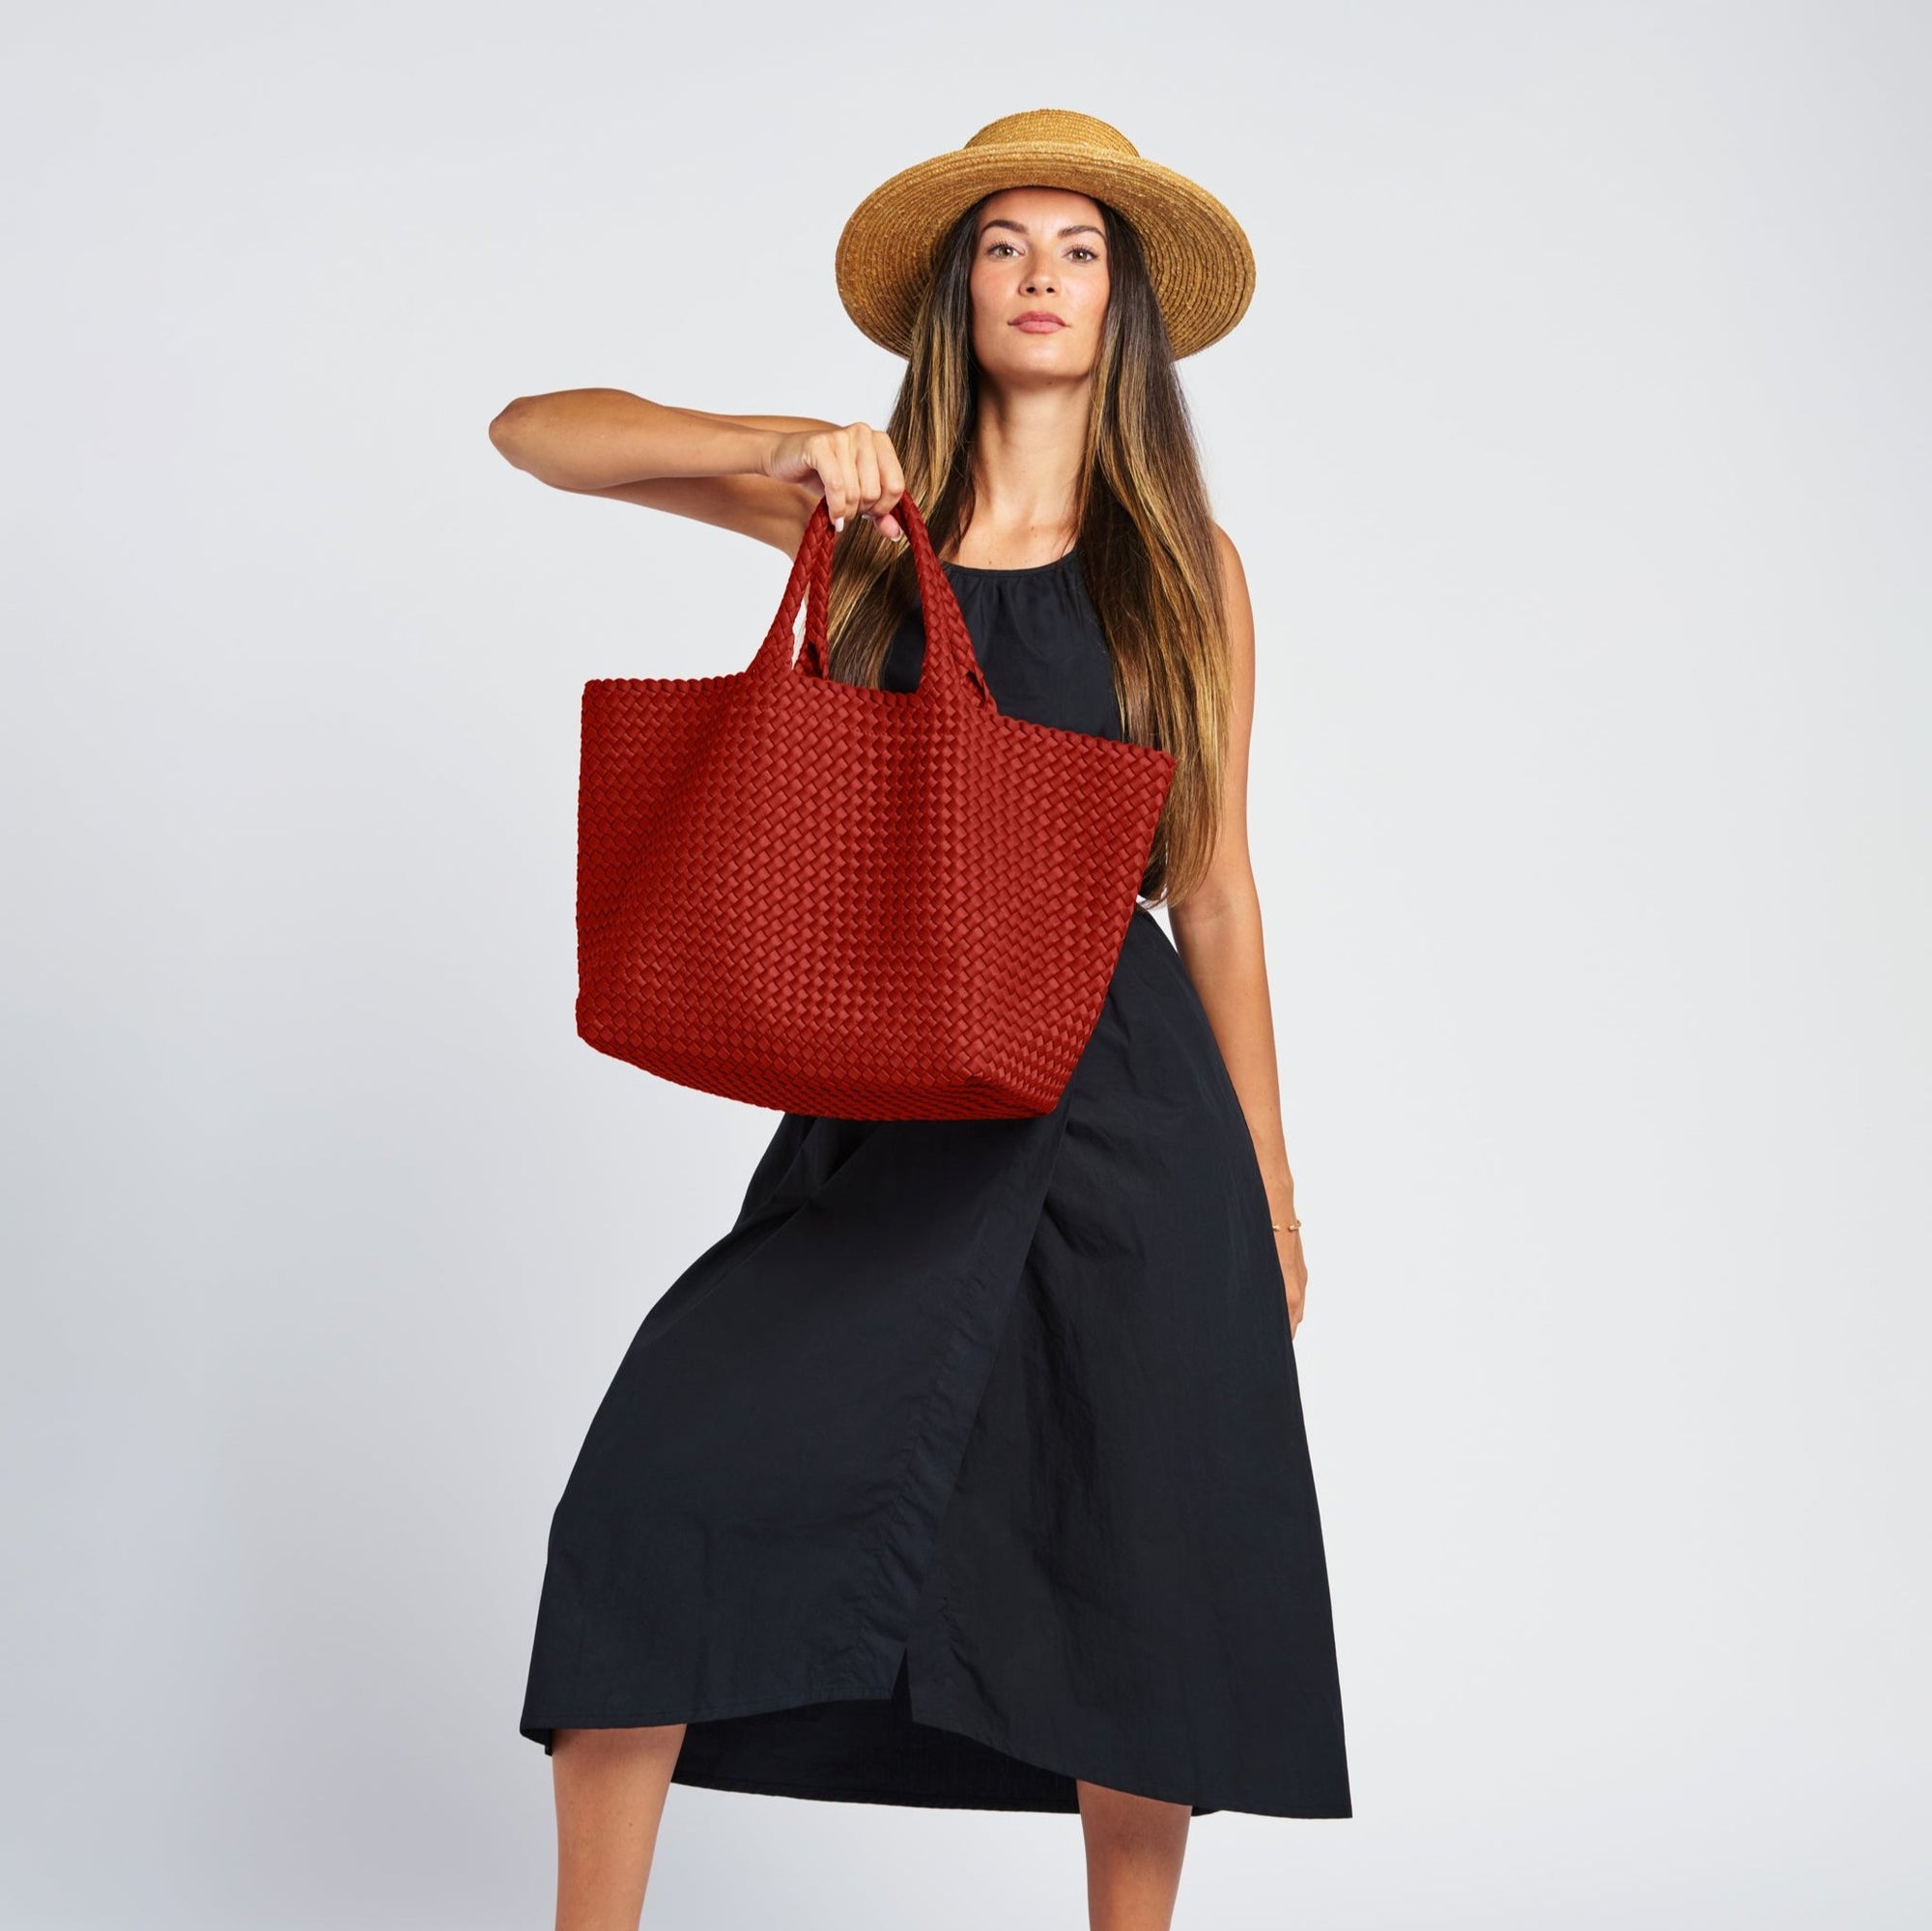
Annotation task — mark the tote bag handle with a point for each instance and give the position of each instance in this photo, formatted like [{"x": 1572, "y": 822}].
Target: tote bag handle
[{"x": 951, "y": 668}]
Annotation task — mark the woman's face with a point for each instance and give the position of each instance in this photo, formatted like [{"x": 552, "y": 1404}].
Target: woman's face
[{"x": 1039, "y": 286}]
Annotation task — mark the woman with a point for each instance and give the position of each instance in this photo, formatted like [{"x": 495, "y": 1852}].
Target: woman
[{"x": 968, "y": 1469}]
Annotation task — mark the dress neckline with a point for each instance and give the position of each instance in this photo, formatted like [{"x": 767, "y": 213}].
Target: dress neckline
[{"x": 1024, "y": 570}]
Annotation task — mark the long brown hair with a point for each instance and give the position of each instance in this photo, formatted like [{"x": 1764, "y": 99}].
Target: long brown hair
[{"x": 1145, "y": 545}]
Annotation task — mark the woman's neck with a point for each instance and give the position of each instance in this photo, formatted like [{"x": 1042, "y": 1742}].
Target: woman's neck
[{"x": 1027, "y": 452}]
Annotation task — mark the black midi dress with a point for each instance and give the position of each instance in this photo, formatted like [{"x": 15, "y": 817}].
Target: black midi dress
[{"x": 970, "y": 1461}]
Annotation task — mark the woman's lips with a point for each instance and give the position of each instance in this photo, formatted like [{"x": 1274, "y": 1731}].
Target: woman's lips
[{"x": 1036, "y": 322}]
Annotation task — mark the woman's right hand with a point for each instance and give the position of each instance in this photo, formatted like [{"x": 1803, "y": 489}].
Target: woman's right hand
[{"x": 856, "y": 470}]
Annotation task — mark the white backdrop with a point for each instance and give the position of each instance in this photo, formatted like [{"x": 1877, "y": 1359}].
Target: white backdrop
[{"x": 1577, "y": 445}]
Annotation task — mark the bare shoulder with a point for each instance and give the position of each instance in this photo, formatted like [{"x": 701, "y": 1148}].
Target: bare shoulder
[
  {"x": 1233, "y": 574},
  {"x": 754, "y": 506}
]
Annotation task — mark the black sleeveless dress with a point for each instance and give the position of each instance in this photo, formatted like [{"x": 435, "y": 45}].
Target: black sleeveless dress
[{"x": 969, "y": 1461}]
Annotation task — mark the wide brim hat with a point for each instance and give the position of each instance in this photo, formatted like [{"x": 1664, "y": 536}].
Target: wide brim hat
[{"x": 1198, "y": 257}]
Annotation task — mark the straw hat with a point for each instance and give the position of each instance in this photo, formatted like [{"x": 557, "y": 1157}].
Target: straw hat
[{"x": 1198, "y": 258}]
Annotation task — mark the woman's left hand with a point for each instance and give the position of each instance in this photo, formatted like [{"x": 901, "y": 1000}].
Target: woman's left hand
[{"x": 1294, "y": 1272}]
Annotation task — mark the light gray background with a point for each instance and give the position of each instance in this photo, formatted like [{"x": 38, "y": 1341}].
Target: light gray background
[{"x": 1576, "y": 444}]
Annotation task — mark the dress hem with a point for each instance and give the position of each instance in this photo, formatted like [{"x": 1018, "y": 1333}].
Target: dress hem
[{"x": 930, "y": 1713}]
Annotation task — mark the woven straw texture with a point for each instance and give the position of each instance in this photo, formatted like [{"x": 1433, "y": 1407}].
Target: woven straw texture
[
  {"x": 866, "y": 905},
  {"x": 1198, "y": 259}
]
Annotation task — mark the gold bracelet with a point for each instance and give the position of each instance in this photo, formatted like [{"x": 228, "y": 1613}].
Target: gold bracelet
[{"x": 1286, "y": 1227}]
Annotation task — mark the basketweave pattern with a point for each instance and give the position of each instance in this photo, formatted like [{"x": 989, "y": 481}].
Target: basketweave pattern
[{"x": 828, "y": 899}]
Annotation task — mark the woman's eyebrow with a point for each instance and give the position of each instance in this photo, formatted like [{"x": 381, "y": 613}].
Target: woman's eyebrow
[{"x": 1020, "y": 228}]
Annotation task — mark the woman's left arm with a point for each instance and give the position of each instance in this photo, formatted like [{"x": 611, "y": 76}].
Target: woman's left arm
[{"x": 1217, "y": 931}]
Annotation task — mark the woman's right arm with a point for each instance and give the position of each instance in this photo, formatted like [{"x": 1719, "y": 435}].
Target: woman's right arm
[{"x": 757, "y": 474}]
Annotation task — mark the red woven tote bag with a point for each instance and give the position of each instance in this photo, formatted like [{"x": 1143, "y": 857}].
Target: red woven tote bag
[{"x": 828, "y": 899}]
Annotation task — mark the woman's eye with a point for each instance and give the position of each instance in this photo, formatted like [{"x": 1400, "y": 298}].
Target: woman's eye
[{"x": 1081, "y": 248}]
